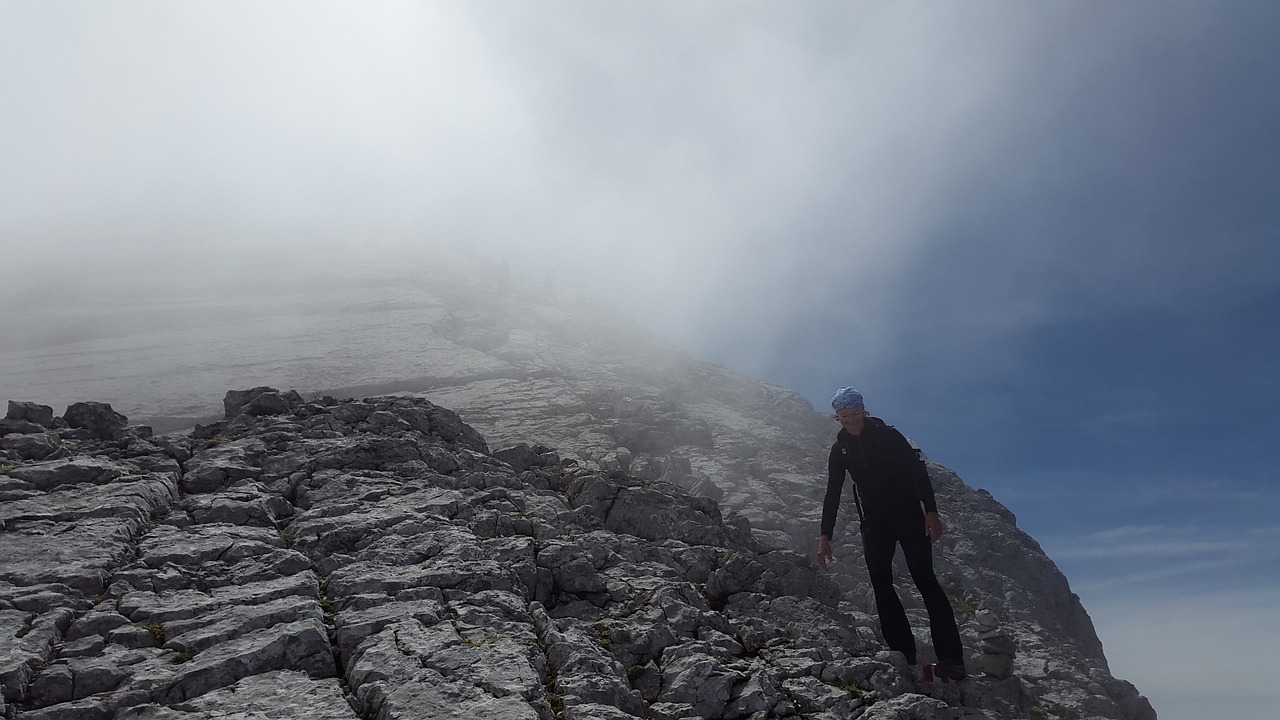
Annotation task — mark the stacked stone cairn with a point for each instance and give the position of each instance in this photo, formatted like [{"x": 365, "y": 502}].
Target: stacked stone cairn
[{"x": 996, "y": 649}]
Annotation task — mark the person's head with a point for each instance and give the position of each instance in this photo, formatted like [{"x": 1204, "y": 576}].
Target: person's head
[{"x": 850, "y": 409}]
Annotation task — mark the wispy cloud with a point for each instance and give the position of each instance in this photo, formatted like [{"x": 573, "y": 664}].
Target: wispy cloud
[
  {"x": 1167, "y": 556},
  {"x": 1152, "y": 542},
  {"x": 1195, "y": 653}
]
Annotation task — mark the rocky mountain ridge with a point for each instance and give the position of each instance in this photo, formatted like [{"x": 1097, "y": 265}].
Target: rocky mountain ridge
[
  {"x": 373, "y": 558},
  {"x": 566, "y": 390}
]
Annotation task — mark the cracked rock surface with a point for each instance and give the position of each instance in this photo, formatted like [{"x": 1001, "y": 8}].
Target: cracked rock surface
[
  {"x": 606, "y": 528},
  {"x": 373, "y": 559}
]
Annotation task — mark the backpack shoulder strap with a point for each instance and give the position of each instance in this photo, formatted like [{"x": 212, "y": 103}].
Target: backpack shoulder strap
[{"x": 844, "y": 450}]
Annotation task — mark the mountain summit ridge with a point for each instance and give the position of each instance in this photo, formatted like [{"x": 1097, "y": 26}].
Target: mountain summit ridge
[
  {"x": 594, "y": 422},
  {"x": 253, "y": 562}
]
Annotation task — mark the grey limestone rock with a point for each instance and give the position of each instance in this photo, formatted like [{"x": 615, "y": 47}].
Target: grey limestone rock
[
  {"x": 259, "y": 401},
  {"x": 35, "y": 446},
  {"x": 19, "y": 427},
  {"x": 36, "y": 413},
  {"x": 996, "y": 649},
  {"x": 279, "y": 693},
  {"x": 371, "y": 559},
  {"x": 71, "y": 471},
  {"x": 224, "y": 464},
  {"x": 97, "y": 418}
]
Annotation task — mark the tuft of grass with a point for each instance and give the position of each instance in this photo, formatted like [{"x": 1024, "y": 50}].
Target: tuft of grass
[
  {"x": 553, "y": 697},
  {"x": 549, "y": 680},
  {"x": 1042, "y": 709},
  {"x": 557, "y": 703},
  {"x": 157, "y": 632},
  {"x": 852, "y": 689},
  {"x": 961, "y": 603},
  {"x": 183, "y": 656},
  {"x": 602, "y": 637},
  {"x": 480, "y": 643}
]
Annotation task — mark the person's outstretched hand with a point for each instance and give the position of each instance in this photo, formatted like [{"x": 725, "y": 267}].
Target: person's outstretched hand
[
  {"x": 824, "y": 552},
  {"x": 933, "y": 526}
]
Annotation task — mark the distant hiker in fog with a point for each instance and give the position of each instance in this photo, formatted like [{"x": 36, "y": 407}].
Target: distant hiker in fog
[
  {"x": 896, "y": 506},
  {"x": 549, "y": 286},
  {"x": 504, "y": 279}
]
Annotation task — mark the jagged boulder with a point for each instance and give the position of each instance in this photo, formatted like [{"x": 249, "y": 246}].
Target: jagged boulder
[
  {"x": 96, "y": 418},
  {"x": 71, "y": 471},
  {"x": 31, "y": 412},
  {"x": 259, "y": 401},
  {"x": 36, "y": 446}
]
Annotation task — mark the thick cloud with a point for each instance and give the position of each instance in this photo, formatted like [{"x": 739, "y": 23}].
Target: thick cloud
[{"x": 1039, "y": 235}]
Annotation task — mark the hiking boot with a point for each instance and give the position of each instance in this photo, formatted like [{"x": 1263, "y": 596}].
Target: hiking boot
[{"x": 951, "y": 670}]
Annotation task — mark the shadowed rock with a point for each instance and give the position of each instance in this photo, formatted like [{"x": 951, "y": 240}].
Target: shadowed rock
[
  {"x": 98, "y": 419},
  {"x": 41, "y": 415}
]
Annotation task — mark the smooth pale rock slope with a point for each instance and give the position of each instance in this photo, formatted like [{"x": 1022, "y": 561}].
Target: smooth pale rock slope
[{"x": 605, "y": 528}]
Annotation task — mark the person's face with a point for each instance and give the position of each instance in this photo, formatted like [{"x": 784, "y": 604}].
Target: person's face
[{"x": 851, "y": 419}]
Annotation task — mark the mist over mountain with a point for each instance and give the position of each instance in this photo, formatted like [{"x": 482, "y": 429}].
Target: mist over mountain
[{"x": 459, "y": 489}]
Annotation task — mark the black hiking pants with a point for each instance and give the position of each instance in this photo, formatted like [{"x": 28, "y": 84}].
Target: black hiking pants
[{"x": 881, "y": 535}]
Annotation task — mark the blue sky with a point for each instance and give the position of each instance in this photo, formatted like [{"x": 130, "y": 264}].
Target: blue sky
[{"x": 1041, "y": 237}]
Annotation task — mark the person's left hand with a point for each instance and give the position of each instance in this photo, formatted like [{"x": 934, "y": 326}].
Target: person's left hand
[
  {"x": 824, "y": 552},
  {"x": 933, "y": 526}
]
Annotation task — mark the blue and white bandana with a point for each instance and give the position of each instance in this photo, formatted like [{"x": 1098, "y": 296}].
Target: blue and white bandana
[{"x": 847, "y": 397}]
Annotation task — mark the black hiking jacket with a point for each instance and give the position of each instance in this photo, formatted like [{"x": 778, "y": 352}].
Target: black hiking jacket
[{"x": 888, "y": 475}]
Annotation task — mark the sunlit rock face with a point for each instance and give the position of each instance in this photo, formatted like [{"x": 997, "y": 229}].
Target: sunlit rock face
[{"x": 452, "y": 502}]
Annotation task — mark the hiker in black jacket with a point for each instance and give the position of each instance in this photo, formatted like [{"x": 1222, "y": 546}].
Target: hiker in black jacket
[{"x": 896, "y": 506}]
